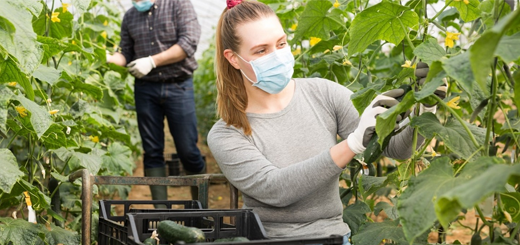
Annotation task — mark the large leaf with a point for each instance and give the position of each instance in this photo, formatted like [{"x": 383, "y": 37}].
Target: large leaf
[
  {"x": 19, "y": 232},
  {"x": 10, "y": 72},
  {"x": 40, "y": 118},
  {"x": 54, "y": 137},
  {"x": 355, "y": 215},
  {"x": 58, "y": 30},
  {"x": 80, "y": 6},
  {"x": 317, "y": 21},
  {"x": 10, "y": 170},
  {"x": 5, "y": 97},
  {"x": 24, "y": 47},
  {"x": 433, "y": 81},
  {"x": 459, "y": 68},
  {"x": 47, "y": 74},
  {"x": 482, "y": 178},
  {"x": 362, "y": 98},
  {"x": 7, "y": 31},
  {"x": 507, "y": 48},
  {"x": 62, "y": 236},
  {"x": 468, "y": 12},
  {"x": 429, "y": 51},
  {"x": 385, "y": 122},
  {"x": 385, "y": 20},
  {"x": 374, "y": 233},
  {"x": 89, "y": 161},
  {"x": 34, "y": 6},
  {"x": 453, "y": 135},
  {"x": 481, "y": 54},
  {"x": 415, "y": 205},
  {"x": 51, "y": 46},
  {"x": 117, "y": 159}
]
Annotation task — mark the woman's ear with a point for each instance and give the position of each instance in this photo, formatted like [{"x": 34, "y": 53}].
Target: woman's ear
[{"x": 232, "y": 58}]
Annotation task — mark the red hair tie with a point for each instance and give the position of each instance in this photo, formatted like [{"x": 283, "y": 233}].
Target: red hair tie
[{"x": 232, "y": 3}]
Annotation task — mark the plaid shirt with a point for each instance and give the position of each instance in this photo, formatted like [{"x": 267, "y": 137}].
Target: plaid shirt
[{"x": 168, "y": 22}]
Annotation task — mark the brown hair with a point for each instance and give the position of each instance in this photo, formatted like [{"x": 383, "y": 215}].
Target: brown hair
[{"x": 231, "y": 92}]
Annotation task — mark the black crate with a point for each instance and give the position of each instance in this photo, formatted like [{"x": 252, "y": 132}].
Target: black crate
[
  {"x": 112, "y": 229},
  {"x": 106, "y": 205},
  {"x": 213, "y": 224}
]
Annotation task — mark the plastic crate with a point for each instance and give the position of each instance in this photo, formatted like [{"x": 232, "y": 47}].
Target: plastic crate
[
  {"x": 112, "y": 229},
  {"x": 213, "y": 224}
]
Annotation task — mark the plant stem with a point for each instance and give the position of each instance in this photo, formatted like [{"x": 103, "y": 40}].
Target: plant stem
[
  {"x": 414, "y": 145},
  {"x": 462, "y": 122},
  {"x": 467, "y": 160},
  {"x": 483, "y": 218},
  {"x": 439, "y": 26},
  {"x": 425, "y": 146},
  {"x": 406, "y": 35},
  {"x": 509, "y": 125},
  {"x": 492, "y": 105},
  {"x": 440, "y": 11}
]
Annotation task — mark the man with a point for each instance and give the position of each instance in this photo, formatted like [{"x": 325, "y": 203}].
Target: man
[{"x": 158, "y": 42}]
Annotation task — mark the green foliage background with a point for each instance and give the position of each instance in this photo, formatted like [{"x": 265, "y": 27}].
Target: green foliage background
[{"x": 468, "y": 156}]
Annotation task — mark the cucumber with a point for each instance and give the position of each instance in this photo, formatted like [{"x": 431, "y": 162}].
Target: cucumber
[
  {"x": 150, "y": 241},
  {"x": 173, "y": 232},
  {"x": 232, "y": 239}
]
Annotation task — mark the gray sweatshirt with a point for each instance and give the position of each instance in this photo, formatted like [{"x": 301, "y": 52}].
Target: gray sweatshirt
[{"x": 284, "y": 170}]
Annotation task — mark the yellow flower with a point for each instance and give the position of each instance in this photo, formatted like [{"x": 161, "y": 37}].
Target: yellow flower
[
  {"x": 65, "y": 6},
  {"x": 408, "y": 64},
  {"x": 94, "y": 139},
  {"x": 465, "y": 1},
  {"x": 12, "y": 84},
  {"x": 70, "y": 63},
  {"x": 337, "y": 47},
  {"x": 55, "y": 18},
  {"x": 53, "y": 112},
  {"x": 296, "y": 52},
  {"x": 105, "y": 23},
  {"x": 336, "y": 4},
  {"x": 326, "y": 51},
  {"x": 21, "y": 110},
  {"x": 449, "y": 39},
  {"x": 314, "y": 41},
  {"x": 219, "y": 198},
  {"x": 293, "y": 26},
  {"x": 347, "y": 62},
  {"x": 454, "y": 103},
  {"x": 74, "y": 42},
  {"x": 104, "y": 34},
  {"x": 435, "y": 153}
]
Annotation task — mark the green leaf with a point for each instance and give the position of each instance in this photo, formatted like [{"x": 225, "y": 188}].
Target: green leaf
[
  {"x": 511, "y": 202},
  {"x": 47, "y": 74},
  {"x": 79, "y": 86},
  {"x": 362, "y": 98},
  {"x": 453, "y": 135},
  {"x": 385, "y": 122},
  {"x": 433, "y": 81},
  {"x": 390, "y": 210},
  {"x": 481, "y": 54},
  {"x": 34, "y": 6},
  {"x": 11, "y": 72},
  {"x": 5, "y": 97},
  {"x": 355, "y": 215},
  {"x": 81, "y": 6},
  {"x": 89, "y": 161},
  {"x": 371, "y": 184},
  {"x": 385, "y": 21},
  {"x": 40, "y": 117},
  {"x": 58, "y": 30},
  {"x": 317, "y": 21},
  {"x": 482, "y": 178},
  {"x": 374, "y": 233},
  {"x": 10, "y": 170},
  {"x": 429, "y": 51},
  {"x": 507, "y": 48},
  {"x": 459, "y": 68},
  {"x": 117, "y": 160},
  {"x": 51, "y": 46},
  {"x": 468, "y": 12},
  {"x": 7, "y": 31},
  {"x": 20, "y": 232},
  {"x": 62, "y": 236},
  {"x": 24, "y": 47},
  {"x": 54, "y": 137},
  {"x": 39, "y": 200}
]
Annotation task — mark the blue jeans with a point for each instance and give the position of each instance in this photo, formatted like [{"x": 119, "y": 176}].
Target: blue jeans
[
  {"x": 153, "y": 102},
  {"x": 345, "y": 239}
]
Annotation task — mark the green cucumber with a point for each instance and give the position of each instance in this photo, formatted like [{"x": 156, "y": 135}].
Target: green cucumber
[
  {"x": 173, "y": 232},
  {"x": 150, "y": 241},
  {"x": 233, "y": 239}
]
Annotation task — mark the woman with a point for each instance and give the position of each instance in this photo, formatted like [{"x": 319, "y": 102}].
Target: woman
[{"x": 276, "y": 141}]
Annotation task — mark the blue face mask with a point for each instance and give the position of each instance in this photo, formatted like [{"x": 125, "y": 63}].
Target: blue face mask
[
  {"x": 273, "y": 71},
  {"x": 143, "y": 5}
]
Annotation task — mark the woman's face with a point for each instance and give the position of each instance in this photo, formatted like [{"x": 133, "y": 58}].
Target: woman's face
[{"x": 258, "y": 38}]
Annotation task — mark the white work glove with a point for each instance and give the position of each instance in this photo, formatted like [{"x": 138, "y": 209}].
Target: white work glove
[
  {"x": 358, "y": 140},
  {"x": 108, "y": 57},
  {"x": 141, "y": 67},
  {"x": 421, "y": 72}
]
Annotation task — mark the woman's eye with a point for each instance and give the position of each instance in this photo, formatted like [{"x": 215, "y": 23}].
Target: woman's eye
[
  {"x": 261, "y": 51},
  {"x": 282, "y": 44}
]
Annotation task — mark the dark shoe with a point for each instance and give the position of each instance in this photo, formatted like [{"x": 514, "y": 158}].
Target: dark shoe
[{"x": 159, "y": 192}]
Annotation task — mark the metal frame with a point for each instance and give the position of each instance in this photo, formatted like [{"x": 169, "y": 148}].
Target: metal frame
[{"x": 202, "y": 181}]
